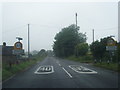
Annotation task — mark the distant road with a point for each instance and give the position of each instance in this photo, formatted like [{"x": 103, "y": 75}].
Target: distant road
[{"x": 59, "y": 73}]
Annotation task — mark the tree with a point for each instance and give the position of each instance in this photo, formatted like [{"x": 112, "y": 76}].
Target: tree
[
  {"x": 81, "y": 49},
  {"x": 42, "y": 52},
  {"x": 118, "y": 52},
  {"x": 66, "y": 40},
  {"x": 98, "y": 49}
]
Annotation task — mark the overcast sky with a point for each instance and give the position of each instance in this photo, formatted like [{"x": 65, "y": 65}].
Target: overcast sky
[{"x": 48, "y": 18}]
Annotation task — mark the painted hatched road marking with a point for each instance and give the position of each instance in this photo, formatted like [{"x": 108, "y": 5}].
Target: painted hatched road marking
[
  {"x": 46, "y": 69},
  {"x": 81, "y": 69}
]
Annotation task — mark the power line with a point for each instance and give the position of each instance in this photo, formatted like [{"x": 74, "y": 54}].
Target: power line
[
  {"x": 113, "y": 28},
  {"x": 46, "y": 26},
  {"x": 14, "y": 29},
  {"x": 98, "y": 29}
]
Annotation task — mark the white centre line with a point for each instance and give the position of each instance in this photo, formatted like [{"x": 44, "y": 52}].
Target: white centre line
[
  {"x": 67, "y": 72},
  {"x": 59, "y": 64}
]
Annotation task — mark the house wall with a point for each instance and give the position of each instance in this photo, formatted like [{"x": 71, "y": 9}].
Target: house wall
[{"x": 7, "y": 59}]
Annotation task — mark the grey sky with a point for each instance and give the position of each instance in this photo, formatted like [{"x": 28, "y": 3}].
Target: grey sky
[{"x": 47, "y": 19}]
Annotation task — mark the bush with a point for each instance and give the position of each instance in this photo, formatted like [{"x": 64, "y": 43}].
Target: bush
[
  {"x": 81, "y": 49},
  {"x": 82, "y": 59}
]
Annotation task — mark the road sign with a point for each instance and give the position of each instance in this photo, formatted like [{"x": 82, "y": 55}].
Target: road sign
[
  {"x": 18, "y": 46},
  {"x": 111, "y": 48},
  {"x": 18, "y": 52},
  {"x": 111, "y": 42},
  {"x": 111, "y": 45}
]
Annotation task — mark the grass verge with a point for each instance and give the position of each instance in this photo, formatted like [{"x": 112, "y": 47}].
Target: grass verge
[
  {"x": 110, "y": 66},
  {"x": 8, "y": 72},
  {"x": 89, "y": 59},
  {"x": 82, "y": 59}
]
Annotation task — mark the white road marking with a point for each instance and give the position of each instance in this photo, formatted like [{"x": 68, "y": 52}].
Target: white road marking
[
  {"x": 67, "y": 73},
  {"x": 59, "y": 64},
  {"x": 43, "y": 69},
  {"x": 64, "y": 69},
  {"x": 84, "y": 68}
]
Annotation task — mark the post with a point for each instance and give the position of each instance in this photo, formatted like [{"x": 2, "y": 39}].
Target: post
[
  {"x": 28, "y": 42},
  {"x": 93, "y": 35},
  {"x": 76, "y": 19}
]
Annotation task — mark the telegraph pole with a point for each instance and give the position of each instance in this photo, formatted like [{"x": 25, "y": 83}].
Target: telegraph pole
[
  {"x": 76, "y": 19},
  {"x": 28, "y": 42},
  {"x": 93, "y": 35},
  {"x": 76, "y": 29}
]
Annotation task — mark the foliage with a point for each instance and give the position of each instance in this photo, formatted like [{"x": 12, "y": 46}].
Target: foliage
[
  {"x": 81, "y": 49},
  {"x": 8, "y": 72},
  {"x": 66, "y": 40},
  {"x": 98, "y": 49},
  {"x": 111, "y": 66},
  {"x": 118, "y": 52},
  {"x": 83, "y": 59},
  {"x": 42, "y": 52}
]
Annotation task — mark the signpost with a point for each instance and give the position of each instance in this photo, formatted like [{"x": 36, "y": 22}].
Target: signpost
[
  {"x": 111, "y": 46},
  {"x": 18, "y": 52},
  {"x": 18, "y": 48}
]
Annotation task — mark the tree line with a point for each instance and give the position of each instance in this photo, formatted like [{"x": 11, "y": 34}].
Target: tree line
[{"x": 70, "y": 42}]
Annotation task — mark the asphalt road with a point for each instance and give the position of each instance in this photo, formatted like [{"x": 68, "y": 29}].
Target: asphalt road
[{"x": 62, "y": 76}]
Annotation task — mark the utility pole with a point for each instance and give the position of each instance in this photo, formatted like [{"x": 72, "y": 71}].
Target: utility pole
[
  {"x": 93, "y": 35},
  {"x": 28, "y": 42},
  {"x": 76, "y": 28},
  {"x": 76, "y": 19}
]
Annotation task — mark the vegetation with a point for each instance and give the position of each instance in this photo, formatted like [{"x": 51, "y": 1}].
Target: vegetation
[
  {"x": 42, "y": 52},
  {"x": 118, "y": 52},
  {"x": 81, "y": 49},
  {"x": 110, "y": 66},
  {"x": 98, "y": 49},
  {"x": 16, "y": 68},
  {"x": 83, "y": 59},
  {"x": 66, "y": 40},
  {"x": 71, "y": 44}
]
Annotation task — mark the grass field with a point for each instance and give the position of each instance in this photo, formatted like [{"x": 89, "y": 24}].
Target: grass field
[{"x": 8, "y": 72}]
